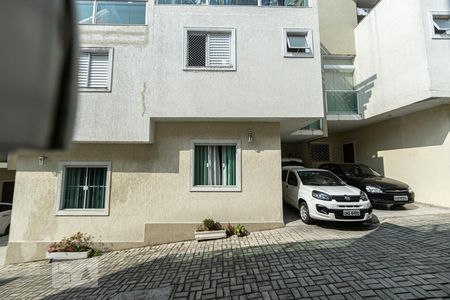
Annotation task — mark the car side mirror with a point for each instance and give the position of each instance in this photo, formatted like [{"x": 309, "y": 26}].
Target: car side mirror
[{"x": 38, "y": 77}]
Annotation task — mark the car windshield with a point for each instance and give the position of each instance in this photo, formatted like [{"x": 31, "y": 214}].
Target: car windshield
[
  {"x": 359, "y": 171},
  {"x": 321, "y": 178}
]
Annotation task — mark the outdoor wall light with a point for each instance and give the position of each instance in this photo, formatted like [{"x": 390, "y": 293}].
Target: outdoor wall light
[
  {"x": 42, "y": 160},
  {"x": 250, "y": 136}
]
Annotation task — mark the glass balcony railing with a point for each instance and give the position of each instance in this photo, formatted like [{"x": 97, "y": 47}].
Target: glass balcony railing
[
  {"x": 342, "y": 102},
  {"x": 119, "y": 12},
  {"x": 316, "y": 125}
]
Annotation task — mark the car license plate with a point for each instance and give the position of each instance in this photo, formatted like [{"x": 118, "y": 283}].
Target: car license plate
[
  {"x": 352, "y": 213},
  {"x": 401, "y": 198}
]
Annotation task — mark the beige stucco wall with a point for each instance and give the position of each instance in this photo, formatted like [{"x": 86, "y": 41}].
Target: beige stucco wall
[
  {"x": 149, "y": 185},
  {"x": 337, "y": 20},
  {"x": 414, "y": 149}
]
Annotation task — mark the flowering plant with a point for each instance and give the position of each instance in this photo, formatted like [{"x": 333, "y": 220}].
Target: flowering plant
[{"x": 79, "y": 242}]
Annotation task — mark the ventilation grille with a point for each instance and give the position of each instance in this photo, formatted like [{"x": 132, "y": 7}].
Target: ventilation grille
[{"x": 320, "y": 152}]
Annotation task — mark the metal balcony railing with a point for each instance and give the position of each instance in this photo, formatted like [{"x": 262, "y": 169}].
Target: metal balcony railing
[{"x": 342, "y": 102}]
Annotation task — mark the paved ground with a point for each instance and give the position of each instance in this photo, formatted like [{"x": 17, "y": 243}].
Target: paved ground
[
  {"x": 406, "y": 257},
  {"x": 3, "y": 243}
]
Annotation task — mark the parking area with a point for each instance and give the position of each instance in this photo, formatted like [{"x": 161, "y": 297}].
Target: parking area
[
  {"x": 381, "y": 213},
  {"x": 398, "y": 256}
]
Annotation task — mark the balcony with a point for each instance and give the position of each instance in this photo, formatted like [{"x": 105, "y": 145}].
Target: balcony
[
  {"x": 342, "y": 102},
  {"x": 316, "y": 125}
]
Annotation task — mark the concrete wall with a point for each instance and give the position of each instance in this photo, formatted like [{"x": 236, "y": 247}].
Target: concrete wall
[
  {"x": 149, "y": 83},
  {"x": 337, "y": 19},
  {"x": 438, "y": 50},
  {"x": 150, "y": 200},
  {"x": 122, "y": 114},
  {"x": 398, "y": 62},
  {"x": 414, "y": 149},
  {"x": 265, "y": 84},
  {"x": 391, "y": 58}
]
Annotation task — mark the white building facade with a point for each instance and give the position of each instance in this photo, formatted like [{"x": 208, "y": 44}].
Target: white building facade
[{"x": 182, "y": 110}]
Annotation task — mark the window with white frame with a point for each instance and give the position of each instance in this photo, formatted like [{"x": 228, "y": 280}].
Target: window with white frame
[
  {"x": 84, "y": 188},
  {"x": 441, "y": 24},
  {"x": 320, "y": 152},
  {"x": 215, "y": 166},
  {"x": 94, "y": 69},
  {"x": 297, "y": 43},
  {"x": 210, "y": 49},
  {"x": 115, "y": 12}
]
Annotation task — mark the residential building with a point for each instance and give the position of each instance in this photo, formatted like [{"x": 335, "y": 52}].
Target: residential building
[
  {"x": 186, "y": 108},
  {"x": 388, "y": 97},
  {"x": 182, "y": 110}
]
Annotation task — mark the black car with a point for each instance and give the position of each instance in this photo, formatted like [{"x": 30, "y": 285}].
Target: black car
[{"x": 380, "y": 189}]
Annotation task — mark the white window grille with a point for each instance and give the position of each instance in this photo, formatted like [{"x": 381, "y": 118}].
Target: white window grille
[{"x": 209, "y": 49}]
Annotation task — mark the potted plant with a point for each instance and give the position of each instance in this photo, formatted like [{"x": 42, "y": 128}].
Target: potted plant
[
  {"x": 210, "y": 230},
  {"x": 78, "y": 246},
  {"x": 238, "y": 230}
]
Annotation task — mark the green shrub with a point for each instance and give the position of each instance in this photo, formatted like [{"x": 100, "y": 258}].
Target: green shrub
[
  {"x": 240, "y": 230},
  {"x": 210, "y": 224}
]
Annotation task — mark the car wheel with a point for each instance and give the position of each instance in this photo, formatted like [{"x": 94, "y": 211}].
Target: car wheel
[
  {"x": 304, "y": 213},
  {"x": 7, "y": 230}
]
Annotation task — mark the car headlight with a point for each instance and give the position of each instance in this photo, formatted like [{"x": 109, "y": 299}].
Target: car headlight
[
  {"x": 410, "y": 190},
  {"x": 363, "y": 196},
  {"x": 373, "y": 190},
  {"x": 321, "y": 196}
]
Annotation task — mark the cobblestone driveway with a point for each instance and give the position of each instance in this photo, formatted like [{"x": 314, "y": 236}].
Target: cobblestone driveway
[{"x": 402, "y": 258}]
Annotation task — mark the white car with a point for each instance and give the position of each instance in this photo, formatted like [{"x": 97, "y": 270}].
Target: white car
[
  {"x": 321, "y": 195},
  {"x": 5, "y": 217}
]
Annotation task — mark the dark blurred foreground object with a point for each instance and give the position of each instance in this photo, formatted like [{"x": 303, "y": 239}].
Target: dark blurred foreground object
[{"x": 38, "y": 69}]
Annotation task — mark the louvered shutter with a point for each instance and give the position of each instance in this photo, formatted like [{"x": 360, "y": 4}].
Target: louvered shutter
[
  {"x": 99, "y": 70},
  {"x": 219, "y": 50},
  {"x": 83, "y": 69}
]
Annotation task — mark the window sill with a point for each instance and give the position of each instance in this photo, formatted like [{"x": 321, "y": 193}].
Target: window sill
[
  {"x": 216, "y": 188},
  {"x": 233, "y": 5},
  {"x": 202, "y": 69},
  {"x": 82, "y": 212},
  {"x": 300, "y": 55},
  {"x": 133, "y": 25},
  {"x": 441, "y": 36},
  {"x": 94, "y": 90}
]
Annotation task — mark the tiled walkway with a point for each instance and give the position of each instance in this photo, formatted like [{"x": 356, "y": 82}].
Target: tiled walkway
[{"x": 401, "y": 258}]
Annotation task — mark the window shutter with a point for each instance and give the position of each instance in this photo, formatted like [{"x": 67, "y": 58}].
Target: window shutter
[
  {"x": 219, "y": 50},
  {"x": 99, "y": 70},
  {"x": 83, "y": 69}
]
